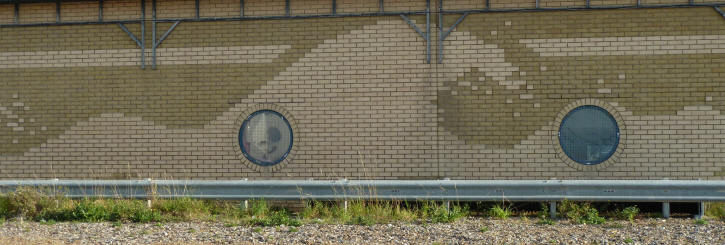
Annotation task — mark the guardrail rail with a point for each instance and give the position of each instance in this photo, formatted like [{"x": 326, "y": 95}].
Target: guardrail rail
[{"x": 551, "y": 191}]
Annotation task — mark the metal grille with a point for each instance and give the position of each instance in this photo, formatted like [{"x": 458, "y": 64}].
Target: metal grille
[
  {"x": 265, "y": 138},
  {"x": 589, "y": 135}
]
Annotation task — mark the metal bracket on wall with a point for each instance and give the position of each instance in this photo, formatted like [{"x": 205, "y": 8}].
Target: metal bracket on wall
[
  {"x": 444, "y": 34},
  {"x": 138, "y": 42},
  {"x": 717, "y": 8},
  {"x": 158, "y": 42},
  {"x": 426, "y": 34}
]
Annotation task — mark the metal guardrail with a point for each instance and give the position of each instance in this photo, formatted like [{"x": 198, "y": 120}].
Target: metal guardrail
[
  {"x": 439, "y": 190},
  {"x": 551, "y": 191}
]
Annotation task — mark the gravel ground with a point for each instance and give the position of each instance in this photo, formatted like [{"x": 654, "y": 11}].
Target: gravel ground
[{"x": 466, "y": 231}]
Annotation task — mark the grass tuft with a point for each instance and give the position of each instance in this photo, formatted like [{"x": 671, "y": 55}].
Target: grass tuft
[
  {"x": 582, "y": 213},
  {"x": 500, "y": 212},
  {"x": 630, "y": 213},
  {"x": 716, "y": 210}
]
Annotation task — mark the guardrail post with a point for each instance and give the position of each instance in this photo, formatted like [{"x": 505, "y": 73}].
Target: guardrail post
[
  {"x": 151, "y": 192},
  {"x": 666, "y": 210},
  {"x": 448, "y": 206},
  {"x": 246, "y": 204},
  {"x": 702, "y": 211},
  {"x": 552, "y": 210}
]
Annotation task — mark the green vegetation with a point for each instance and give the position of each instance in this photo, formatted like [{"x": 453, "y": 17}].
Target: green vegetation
[
  {"x": 715, "y": 210},
  {"x": 49, "y": 207},
  {"x": 375, "y": 212},
  {"x": 500, "y": 212},
  {"x": 628, "y": 240},
  {"x": 700, "y": 221},
  {"x": 630, "y": 213},
  {"x": 546, "y": 222},
  {"x": 582, "y": 213}
]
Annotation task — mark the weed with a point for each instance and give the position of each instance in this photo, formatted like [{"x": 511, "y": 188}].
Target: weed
[
  {"x": 483, "y": 229},
  {"x": 117, "y": 224},
  {"x": 371, "y": 212},
  {"x": 230, "y": 224},
  {"x": 439, "y": 213},
  {"x": 181, "y": 208},
  {"x": 293, "y": 229},
  {"x": 582, "y": 213},
  {"x": 257, "y": 230},
  {"x": 500, "y": 212},
  {"x": 90, "y": 211},
  {"x": 546, "y": 222},
  {"x": 716, "y": 210},
  {"x": 49, "y": 222},
  {"x": 274, "y": 218},
  {"x": 543, "y": 212},
  {"x": 192, "y": 230},
  {"x": 27, "y": 202},
  {"x": 630, "y": 212},
  {"x": 700, "y": 221},
  {"x": 628, "y": 240}
]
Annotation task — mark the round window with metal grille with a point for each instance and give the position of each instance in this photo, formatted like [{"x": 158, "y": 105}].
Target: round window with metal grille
[
  {"x": 589, "y": 135},
  {"x": 265, "y": 138}
]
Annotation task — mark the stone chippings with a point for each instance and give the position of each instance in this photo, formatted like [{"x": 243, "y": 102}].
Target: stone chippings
[{"x": 466, "y": 231}]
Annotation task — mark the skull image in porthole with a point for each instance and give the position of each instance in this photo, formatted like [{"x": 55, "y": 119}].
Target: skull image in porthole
[{"x": 265, "y": 138}]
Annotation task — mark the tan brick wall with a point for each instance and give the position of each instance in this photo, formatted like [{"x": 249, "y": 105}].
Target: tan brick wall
[
  {"x": 357, "y": 6},
  {"x": 462, "y": 4},
  {"x": 404, "y": 5},
  {"x": 79, "y": 11},
  {"x": 511, "y": 4},
  {"x": 644, "y": 2},
  {"x": 123, "y": 10},
  {"x": 219, "y": 8},
  {"x": 264, "y": 7},
  {"x": 175, "y": 9},
  {"x": 37, "y": 13},
  {"x": 7, "y": 13},
  {"x": 310, "y": 7},
  {"x": 362, "y": 100},
  {"x": 561, "y": 3}
]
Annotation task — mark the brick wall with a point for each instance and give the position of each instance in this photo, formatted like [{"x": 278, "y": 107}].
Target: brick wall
[{"x": 361, "y": 98}]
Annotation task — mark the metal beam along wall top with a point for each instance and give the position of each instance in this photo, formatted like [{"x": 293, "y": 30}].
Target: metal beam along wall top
[{"x": 446, "y": 190}]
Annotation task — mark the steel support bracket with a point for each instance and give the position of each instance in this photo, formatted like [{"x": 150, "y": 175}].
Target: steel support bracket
[
  {"x": 717, "y": 8},
  {"x": 138, "y": 42},
  {"x": 160, "y": 40},
  {"x": 425, "y": 35},
  {"x": 444, "y": 34}
]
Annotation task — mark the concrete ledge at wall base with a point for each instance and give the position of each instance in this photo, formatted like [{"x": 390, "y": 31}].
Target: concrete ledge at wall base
[{"x": 411, "y": 190}]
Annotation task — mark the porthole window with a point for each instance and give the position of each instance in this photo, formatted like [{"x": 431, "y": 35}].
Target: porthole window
[
  {"x": 589, "y": 135},
  {"x": 265, "y": 138}
]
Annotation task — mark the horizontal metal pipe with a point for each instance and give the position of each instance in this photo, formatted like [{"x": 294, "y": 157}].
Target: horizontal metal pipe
[
  {"x": 44, "y": 1},
  {"x": 294, "y": 16},
  {"x": 71, "y": 23},
  {"x": 491, "y": 10},
  {"x": 461, "y": 190}
]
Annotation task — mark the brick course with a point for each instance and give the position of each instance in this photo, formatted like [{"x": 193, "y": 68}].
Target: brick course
[{"x": 362, "y": 99}]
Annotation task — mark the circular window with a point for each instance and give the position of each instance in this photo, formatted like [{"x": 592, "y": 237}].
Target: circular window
[
  {"x": 265, "y": 138},
  {"x": 589, "y": 135}
]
